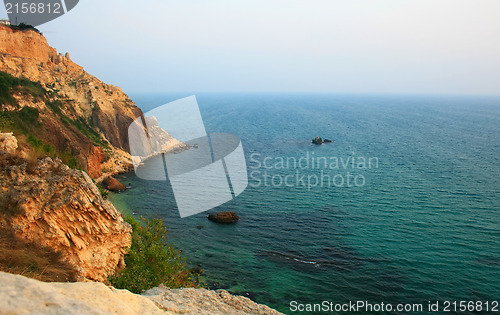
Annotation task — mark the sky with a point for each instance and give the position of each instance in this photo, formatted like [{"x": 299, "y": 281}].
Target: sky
[{"x": 333, "y": 46}]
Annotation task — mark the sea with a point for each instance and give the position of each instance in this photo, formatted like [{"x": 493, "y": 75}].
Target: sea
[{"x": 402, "y": 207}]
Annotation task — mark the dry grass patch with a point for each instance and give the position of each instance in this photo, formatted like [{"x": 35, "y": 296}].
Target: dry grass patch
[{"x": 21, "y": 257}]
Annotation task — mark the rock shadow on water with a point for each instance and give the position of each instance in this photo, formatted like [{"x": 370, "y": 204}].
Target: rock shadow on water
[
  {"x": 315, "y": 263},
  {"x": 327, "y": 252},
  {"x": 377, "y": 276},
  {"x": 489, "y": 261}
]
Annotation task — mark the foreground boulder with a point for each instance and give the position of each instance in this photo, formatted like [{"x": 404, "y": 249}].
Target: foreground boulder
[
  {"x": 202, "y": 301},
  {"x": 21, "y": 295},
  {"x": 224, "y": 217}
]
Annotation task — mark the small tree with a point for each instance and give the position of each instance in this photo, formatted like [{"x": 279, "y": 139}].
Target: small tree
[{"x": 150, "y": 262}]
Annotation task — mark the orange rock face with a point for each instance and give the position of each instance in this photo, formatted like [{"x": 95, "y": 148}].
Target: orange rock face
[
  {"x": 94, "y": 162},
  {"x": 27, "y": 44},
  {"x": 83, "y": 104},
  {"x": 61, "y": 208}
]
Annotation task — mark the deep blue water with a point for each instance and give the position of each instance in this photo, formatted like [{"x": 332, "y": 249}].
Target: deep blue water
[{"x": 424, "y": 225}]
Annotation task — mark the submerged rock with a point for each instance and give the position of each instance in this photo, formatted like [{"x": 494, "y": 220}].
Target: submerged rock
[{"x": 224, "y": 217}]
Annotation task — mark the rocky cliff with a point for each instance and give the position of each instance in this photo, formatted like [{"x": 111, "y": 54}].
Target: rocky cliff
[
  {"x": 49, "y": 204},
  {"x": 20, "y": 295},
  {"x": 75, "y": 112},
  {"x": 49, "y": 209}
]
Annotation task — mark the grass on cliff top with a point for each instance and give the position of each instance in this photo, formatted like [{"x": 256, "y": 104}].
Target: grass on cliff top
[
  {"x": 24, "y": 27},
  {"x": 150, "y": 262}
]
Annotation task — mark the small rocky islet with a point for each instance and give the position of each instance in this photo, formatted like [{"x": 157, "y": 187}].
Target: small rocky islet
[
  {"x": 319, "y": 140},
  {"x": 224, "y": 217}
]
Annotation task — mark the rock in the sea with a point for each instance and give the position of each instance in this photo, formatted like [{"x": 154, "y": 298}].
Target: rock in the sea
[
  {"x": 317, "y": 140},
  {"x": 224, "y": 217},
  {"x": 113, "y": 184}
]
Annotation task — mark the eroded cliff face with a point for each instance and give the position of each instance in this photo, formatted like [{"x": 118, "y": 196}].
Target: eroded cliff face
[
  {"x": 78, "y": 112},
  {"x": 50, "y": 204}
]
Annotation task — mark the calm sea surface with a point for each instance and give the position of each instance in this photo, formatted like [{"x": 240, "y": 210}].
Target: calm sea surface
[{"x": 403, "y": 206}]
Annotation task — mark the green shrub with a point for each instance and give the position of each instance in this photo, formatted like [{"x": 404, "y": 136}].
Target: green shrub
[
  {"x": 55, "y": 107},
  {"x": 37, "y": 144},
  {"x": 44, "y": 149},
  {"x": 72, "y": 162},
  {"x": 23, "y": 121},
  {"x": 150, "y": 262},
  {"x": 104, "y": 193},
  {"x": 6, "y": 82},
  {"x": 29, "y": 116},
  {"x": 6, "y": 122},
  {"x": 89, "y": 131}
]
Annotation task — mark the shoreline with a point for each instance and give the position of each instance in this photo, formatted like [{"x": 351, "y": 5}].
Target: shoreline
[{"x": 211, "y": 283}]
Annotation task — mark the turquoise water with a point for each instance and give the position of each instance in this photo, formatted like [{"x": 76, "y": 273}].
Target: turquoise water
[{"x": 424, "y": 224}]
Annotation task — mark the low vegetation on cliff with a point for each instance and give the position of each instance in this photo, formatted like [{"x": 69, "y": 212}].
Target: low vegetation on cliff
[
  {"x": 10, "y": 85},
  {"x": 26, "y": 121},
  {"x": 150, "y": 261}
]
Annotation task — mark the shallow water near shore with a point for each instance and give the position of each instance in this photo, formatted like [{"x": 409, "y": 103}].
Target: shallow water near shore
[{"x": 420, "y": 223}]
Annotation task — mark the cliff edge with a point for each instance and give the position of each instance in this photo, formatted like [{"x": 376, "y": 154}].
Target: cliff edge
[
  {"x": 71, "y": 110},
  {"x": 47, "y": 203}
]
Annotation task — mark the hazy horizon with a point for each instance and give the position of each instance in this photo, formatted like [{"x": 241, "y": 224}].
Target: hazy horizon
[{"x": 383, "y": 47}]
